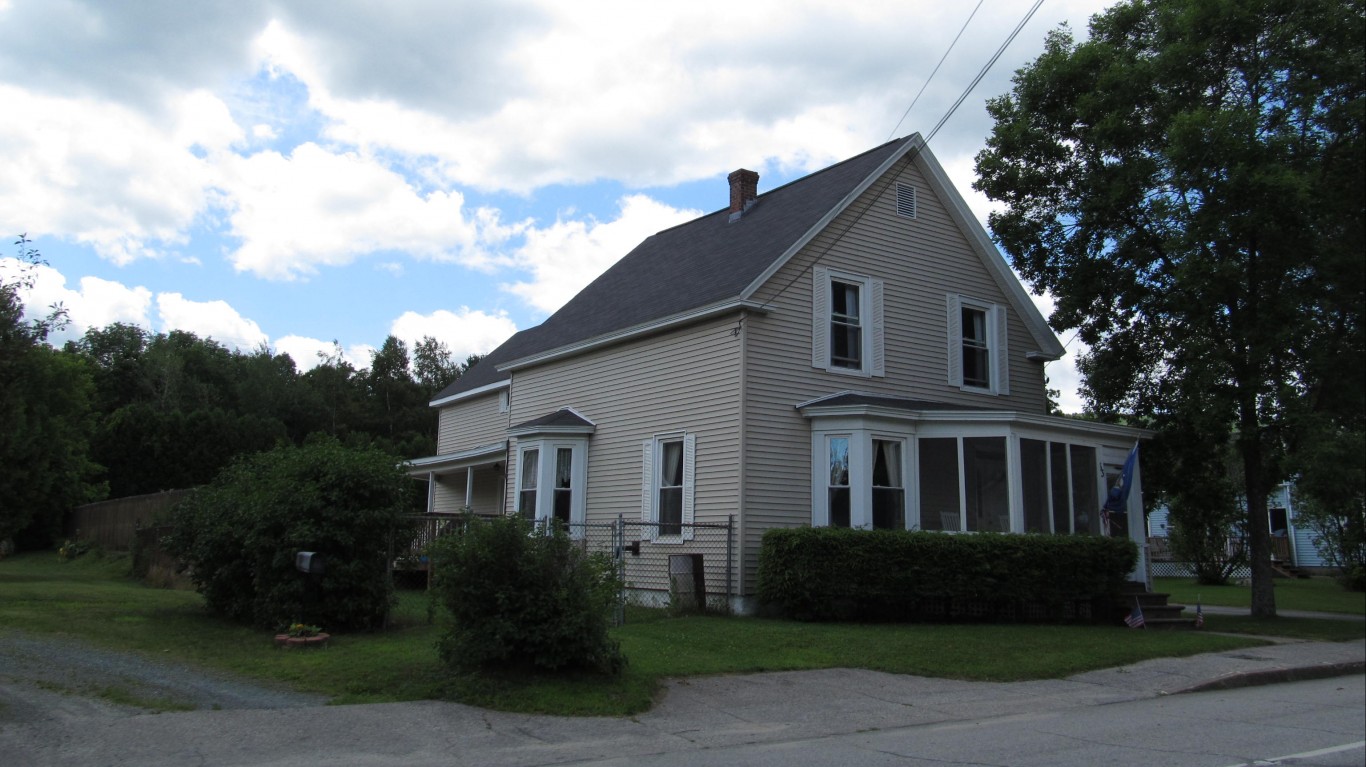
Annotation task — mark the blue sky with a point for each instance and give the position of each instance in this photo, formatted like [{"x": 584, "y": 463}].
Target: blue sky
[{"x": 293, "y": 173}]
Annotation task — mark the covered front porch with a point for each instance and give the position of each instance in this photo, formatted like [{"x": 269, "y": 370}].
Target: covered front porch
[{"x": 470, "y": 481}]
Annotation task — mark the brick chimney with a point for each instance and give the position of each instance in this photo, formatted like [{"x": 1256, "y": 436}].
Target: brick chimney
[{"x": 744, "y": 187}]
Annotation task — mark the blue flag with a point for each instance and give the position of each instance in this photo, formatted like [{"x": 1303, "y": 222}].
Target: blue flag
[{"x": 1117, "y": 502}]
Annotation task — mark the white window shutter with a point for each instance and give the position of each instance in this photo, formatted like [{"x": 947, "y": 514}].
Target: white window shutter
[
  {"x": 647, "y": 489},
  {"x": 820, "y": 317},
  {"x": 879, "y": 354},
  {"x": 689, "y": 483},
  {"x": 955, "y": 340},
  {"x": 1002, "y": 356}
]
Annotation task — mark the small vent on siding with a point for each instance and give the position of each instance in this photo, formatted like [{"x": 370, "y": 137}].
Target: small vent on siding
[{"x": 905, "y": 200}]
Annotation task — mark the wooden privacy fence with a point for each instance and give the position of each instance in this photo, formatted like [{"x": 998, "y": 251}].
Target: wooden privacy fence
[{"x": 111, "y": 524}]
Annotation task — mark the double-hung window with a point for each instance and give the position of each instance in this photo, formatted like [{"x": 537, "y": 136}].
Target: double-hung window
[
  {"x": 667, "y": 486},
  {"x": 978, "y": 361},
  {"x": 838, "y": 489},
  {"x": 551, "y": 479},
  {"x": 846, "y": 323},
  {"x": 861, "y": 481},
  {"x": 530, "y": 472}
]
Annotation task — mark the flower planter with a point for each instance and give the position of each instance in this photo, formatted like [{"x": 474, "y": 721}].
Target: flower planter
[{"x": 287, "y": 641}]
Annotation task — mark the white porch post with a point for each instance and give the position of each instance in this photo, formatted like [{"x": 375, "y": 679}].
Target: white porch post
[
  {"x": 431, "y": 491},
  {"x": 469, "y": 487}
]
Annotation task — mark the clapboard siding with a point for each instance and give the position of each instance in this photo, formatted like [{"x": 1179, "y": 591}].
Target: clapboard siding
[
  {"x": 684, "y": 380},
  {"x": 921, "y": 261},
  {"x": 470, "y": 423}
]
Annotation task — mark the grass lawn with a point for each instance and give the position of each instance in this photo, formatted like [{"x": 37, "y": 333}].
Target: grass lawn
[
  {"x": 90, "y": 599},
  {"x": 1316, "y": 594}
]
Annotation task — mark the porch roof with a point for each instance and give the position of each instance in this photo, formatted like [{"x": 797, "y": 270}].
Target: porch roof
[
  {"x": 865, "y": 404},
  {"x": 451, "y": 462}
]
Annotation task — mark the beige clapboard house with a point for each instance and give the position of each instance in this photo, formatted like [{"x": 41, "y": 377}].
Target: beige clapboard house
[{"x": 848, "y": 349}]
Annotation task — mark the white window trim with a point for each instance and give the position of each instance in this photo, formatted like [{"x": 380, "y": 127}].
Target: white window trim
[
  {"x": 651, "y": 456},
  {"x": 997, "y": 320},
  {"x": 545, "y": 479},
  {"x": 860, "y": 476},
  {"x": 873, "y": 357}
]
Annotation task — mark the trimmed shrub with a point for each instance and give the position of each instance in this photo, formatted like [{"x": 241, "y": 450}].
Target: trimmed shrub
[
  {"x": 239, "y": 536},
  {"x": 840, "y": 574},
  {"x": 524, "y": 597}
]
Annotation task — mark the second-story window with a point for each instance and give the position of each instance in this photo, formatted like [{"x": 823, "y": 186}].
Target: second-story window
[
  {"x": 846, "y": 325},
  {"x": 976, "y": 349},
  {"x": 978, "y": 361}
]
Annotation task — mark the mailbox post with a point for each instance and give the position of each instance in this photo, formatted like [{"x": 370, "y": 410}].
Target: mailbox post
[{"x": 308, "y": 563}]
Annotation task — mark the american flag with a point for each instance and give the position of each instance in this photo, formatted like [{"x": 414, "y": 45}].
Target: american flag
[
  {"x": 1199, "y": 615},
  {"x": 1135, "y": 619}
]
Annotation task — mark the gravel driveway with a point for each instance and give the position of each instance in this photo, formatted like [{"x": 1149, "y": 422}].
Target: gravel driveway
[{"x": 45, "y": 679}]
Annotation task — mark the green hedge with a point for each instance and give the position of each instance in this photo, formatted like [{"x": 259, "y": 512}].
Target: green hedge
[{"x": 841, "y": 574}]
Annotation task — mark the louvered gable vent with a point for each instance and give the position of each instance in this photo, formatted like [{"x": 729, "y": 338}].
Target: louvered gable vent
[{"x": 905, "y": 200}]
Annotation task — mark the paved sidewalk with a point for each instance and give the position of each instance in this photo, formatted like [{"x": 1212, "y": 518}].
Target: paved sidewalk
[
  {"x": 1221, "y": 610},
  {"x": 694, "y": 714}
]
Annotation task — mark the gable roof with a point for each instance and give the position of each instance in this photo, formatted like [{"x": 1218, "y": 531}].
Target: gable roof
[{"x": 713, "y": 261}]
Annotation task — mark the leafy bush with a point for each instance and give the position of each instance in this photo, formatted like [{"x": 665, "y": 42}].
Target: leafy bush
[
  {"x": 842, "y": 574},
  {"x": 524, "y": 597},
  {"x": 239, "y": 535}
]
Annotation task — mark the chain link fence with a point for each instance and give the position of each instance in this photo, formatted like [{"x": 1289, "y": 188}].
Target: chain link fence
[{"x": 681, "y": 566}]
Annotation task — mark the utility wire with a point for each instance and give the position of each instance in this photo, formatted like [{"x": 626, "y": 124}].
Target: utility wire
[
  {"x": 984, "y": 71},
  {"x": 964, "y": 28},
  {"x": 926, "y": 140}
]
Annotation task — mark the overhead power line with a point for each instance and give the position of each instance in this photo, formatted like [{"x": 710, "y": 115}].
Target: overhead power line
[{"x": 961, "y": 30}]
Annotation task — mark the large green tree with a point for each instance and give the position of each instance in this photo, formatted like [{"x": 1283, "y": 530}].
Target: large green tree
[
  {"x": 45, "y": 418},
  {"x": 1188, "y": 184}
]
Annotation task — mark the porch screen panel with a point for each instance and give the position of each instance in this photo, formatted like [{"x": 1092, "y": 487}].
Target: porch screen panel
[
  {"x": 1034, "y": 484},
  {"x": 939, "y": 508},
  {"x": 839, "y": 482},
  {"x": 889, "y": 490},
  {"x": 526, "y": 495},
  {"x": 1060, "y": 486},
  {"x": 1085, "y": 496},
  {"x": 986, "y": 483}
]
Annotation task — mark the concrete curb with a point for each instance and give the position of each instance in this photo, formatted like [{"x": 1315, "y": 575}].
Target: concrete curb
[{"x": 1276, "y": 676}]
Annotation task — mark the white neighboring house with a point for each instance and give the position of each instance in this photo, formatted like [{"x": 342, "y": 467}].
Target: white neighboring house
[
  {"x": 848, "y": 349},
  {"x": 1292, "y": 543}
]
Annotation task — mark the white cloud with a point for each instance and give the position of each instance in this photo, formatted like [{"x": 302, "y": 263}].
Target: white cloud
[
  {"x": 105, "y": 175},
  {"x": 465, "y": 332},
  {"x": 567, "y": 255},
  {"x": 209, "y": 319},
  {"x": 318, "y": 208},
  {"x": 94, "y": 304},
  {"x": 647, "y": 94},
  {"x": 308, "y": 353}
]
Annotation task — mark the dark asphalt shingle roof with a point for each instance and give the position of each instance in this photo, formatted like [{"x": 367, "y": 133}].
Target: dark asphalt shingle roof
[
  {"x": 705, "y": 261},
  {"x": 561, "y": 417}
]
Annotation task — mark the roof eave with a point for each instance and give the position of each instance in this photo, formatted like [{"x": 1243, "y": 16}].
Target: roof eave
[
  {"x": 637, "y": 331},
  {"x": 485, "y": 389}
]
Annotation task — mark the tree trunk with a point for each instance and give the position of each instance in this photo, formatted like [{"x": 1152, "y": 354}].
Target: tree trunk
[{"x": 1258, "y": 528}]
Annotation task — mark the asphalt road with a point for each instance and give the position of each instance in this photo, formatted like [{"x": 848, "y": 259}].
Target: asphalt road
[
  {"x": 52, "y": 712},
  {"x": 1320, "y": 723}
]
